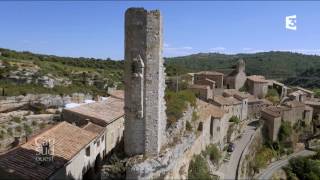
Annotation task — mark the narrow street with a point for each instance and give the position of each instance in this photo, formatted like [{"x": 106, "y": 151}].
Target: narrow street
[
  {"x": 229, "y": 168},
  {"x": 273, "y": 167}
]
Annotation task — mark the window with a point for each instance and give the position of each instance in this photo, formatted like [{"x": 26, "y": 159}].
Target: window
[
  {"x": 98, "y": 143},
  {"x": 88, "y": 151},
  {"x": 102, "y": 138}
]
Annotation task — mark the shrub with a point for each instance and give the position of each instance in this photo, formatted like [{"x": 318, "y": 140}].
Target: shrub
[
  {"x": 284, "y": 131},
  {"x": 305, "y": 168},
  {"x": 27, "y": 129},
  {"x": 195, "y": 116},
  {"x": 34, "y": 123},
  {"x": 273, "y": 96},
  {"x": 198, "y": 168},
  {"x": 177, "y": 103},
  {"x": 234, "y": 119},
  {"x": 188, "y": 126},
  {"x": 263, "y": 156},
  {"x": 18, "y": 128},
  {"x": 16, "y": 119},
  {"x": 42, "y": 125},
  {"x": 9, "y": 131},
  {"x": 214, "y": 153}
]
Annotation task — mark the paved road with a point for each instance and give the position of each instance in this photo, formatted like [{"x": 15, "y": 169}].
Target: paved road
[
  {"x": 229, "y": 169},
  {"x": 273, "y": 167}
]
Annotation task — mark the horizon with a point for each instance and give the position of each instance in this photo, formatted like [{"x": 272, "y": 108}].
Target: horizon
[{"x": 96, "y": 29}]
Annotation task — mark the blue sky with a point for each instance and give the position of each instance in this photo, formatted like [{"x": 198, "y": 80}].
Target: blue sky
[{"x": 96, "y": 29}]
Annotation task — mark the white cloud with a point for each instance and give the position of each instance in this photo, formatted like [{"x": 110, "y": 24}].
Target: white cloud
[
  {"x": 177, "y": 51},
  {"x": 217, "y": 49}
]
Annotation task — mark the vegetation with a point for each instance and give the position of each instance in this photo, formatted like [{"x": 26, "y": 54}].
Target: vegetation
[
  {"x": 188, "y": 126},
  {"x": 195, "y": 116},
  {"x": 285, "y": 131},
  {"x": 262, "y": 158},
  {"x": 214, "y": 153},
  {"x": 304, "y": 168},
  {"x": 273, "y": 96},
  {"x": 234, "y": 119},
  {"x": 27, "y": 129},
  {"x": 18, "y": 128},
  {"x": 274, "y": 64},
  {"x": 177, "y": 103},
  {"x": 198, "y": 169},
  {"x": 310, "y": 78},
  {"x": 77, "y": 70},
  {"x": 16, "y": 119},
  {"x": 9, "y": 131},
  {"x": 34, "y": 123}
]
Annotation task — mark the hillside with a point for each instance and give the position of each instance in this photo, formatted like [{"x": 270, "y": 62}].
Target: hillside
[
  {"x": 308, "y": 79},
  {"x": 25, "y": 72},
  {"x": 276, "y": 65}
]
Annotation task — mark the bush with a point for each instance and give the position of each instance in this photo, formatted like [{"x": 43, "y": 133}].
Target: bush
[
  {"x": 16, "y": 119},
  {"x": 27, "y": 129},
  {"x": 195, "y": 116},
  {"x": 284, "y": 131},
  {"x": 273, "y": 96},
  {"x": 263, "y": 156},
  {"x": 188, "y": 126},
  {"x": 9, "y": 131},
  {"x": 305, "y": 168},
  {"x": 18, "y": 128},
  {"x": 198, "y": 169},
  {"x": 234, "y": 119},
  {"x": 34, "y": 123},
  {"x": 214, "y": 153},
  {"x": 177, "y": 103}
]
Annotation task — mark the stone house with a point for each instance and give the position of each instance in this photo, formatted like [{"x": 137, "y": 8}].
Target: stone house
[
  {"x": 108, "y": 114},
  {"x": 231, "y": 106},
  {"x": 203, "y": 76},
  {"x": 292, "y": 111},
  {"x": 242, "y": 97},
  {"x": 63, "y": 152},
  {"x": 237, "y": 78},
  {"x": 215, "y": 124},
  {"x": 298, "y": 96},
  {"x": 258, "y": 85},
  {"x": 204, "y": 92},
  {"x": 255, "y": 105}
]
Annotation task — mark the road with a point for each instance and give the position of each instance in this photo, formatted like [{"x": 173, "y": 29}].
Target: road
[
  {"x": 273, "y": 167},
  {"x": 229, "y": 169}
]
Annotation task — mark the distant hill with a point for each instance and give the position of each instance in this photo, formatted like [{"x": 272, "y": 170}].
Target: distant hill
[
  {"x": 274, "y": 64},
  {"x": 307, "y": 79}
]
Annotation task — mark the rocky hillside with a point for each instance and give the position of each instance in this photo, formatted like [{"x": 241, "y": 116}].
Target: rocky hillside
[{"x": 25, "y": 72}]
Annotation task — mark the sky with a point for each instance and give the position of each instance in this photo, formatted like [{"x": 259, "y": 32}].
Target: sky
[{"x": 96, "y": 29}]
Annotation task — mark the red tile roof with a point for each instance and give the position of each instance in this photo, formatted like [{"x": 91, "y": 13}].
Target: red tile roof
[{"x": 67, "y": 141}]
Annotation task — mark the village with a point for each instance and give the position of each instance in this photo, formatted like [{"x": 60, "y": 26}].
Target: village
[{"x": 232, "y": 111}]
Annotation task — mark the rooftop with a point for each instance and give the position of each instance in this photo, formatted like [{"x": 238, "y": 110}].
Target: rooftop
[
  {"x": 117, "y": 94},
  {"x": 235, "y": 93},
  {"x": 225, "y": 100},
  {"x": 197, "y": 86},
  {"x": 207, "y": 109},
  {"x": 101, "y": 112},
  {"x": 67, "y": 141},
  {"x": 294, "y": 104},
  {"x": 273, "y": 111},
  {"x": 305, "y": 90}
]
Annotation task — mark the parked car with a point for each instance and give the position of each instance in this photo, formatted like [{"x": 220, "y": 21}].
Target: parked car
[{"x": 231, "y": 147}]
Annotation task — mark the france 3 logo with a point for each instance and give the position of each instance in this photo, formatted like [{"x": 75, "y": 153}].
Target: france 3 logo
[{"x": 291, "y": 22}]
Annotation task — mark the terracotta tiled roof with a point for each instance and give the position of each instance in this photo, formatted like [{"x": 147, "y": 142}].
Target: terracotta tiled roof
[
  {"x": 207, "y": 109},
  {"x": 305, "y": 90},
  {"x": 225, "y": 100},
  {"x": 102, "y": 112},
  {"x": 258, "y": 78},
  {"x": 67, "y": 140},
  {"x": 235, "y": 93},
  {"x": 294, "y": 104},
  {"x": 210, "y": 73},
  {"x": 94, "y": 128},
  {"x": 117, "y": 94},
  {"x": 273, "y": 111}
]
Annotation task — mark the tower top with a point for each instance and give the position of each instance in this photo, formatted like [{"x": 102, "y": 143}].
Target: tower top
[{"x": 241, "y": 65}]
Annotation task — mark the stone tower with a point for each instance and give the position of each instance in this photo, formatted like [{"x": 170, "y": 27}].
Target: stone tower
[
  {"x": 144, "y": 77},
  {"x": 241, "y": 65}
]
